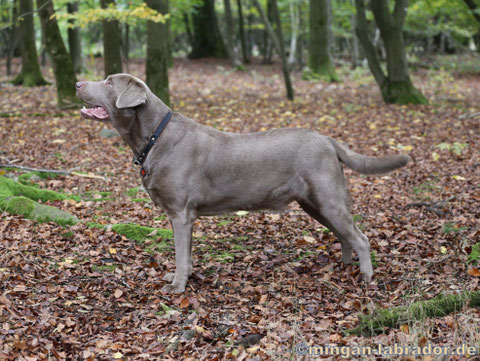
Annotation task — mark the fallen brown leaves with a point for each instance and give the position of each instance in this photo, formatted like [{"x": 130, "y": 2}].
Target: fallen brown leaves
[{"x": 262, "y": 282}]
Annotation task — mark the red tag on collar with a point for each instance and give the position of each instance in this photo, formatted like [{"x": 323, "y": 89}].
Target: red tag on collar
[{"x": 143, "y": 172}]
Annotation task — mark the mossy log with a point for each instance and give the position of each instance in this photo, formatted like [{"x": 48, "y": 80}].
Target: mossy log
[
  {"x": 16, "y": 198},
  {"x": 440, "y": 306}
]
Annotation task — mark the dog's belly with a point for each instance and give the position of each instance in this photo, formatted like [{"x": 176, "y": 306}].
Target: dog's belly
[{"x": 277, "y": 199}]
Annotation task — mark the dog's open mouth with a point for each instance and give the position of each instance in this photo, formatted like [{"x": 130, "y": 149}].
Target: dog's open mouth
[{"x": 96, "y": 112}]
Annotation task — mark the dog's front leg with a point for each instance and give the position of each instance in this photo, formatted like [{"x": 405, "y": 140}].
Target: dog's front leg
[{"x": 182, "y": 231}]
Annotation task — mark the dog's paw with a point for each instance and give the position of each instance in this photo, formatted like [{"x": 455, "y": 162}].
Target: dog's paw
[
  {"x": 169, "y": 277},
  {"x": 173, "y": 288}
]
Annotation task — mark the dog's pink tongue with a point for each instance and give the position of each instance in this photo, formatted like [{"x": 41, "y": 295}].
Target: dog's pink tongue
[{"x": 96, "y": 112}]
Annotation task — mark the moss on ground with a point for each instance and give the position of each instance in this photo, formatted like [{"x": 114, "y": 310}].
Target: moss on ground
[
  {"x": 141, "y": 233},
  {"x": 439, "y": 306},
  {"x": 16, "y": 198},
  {"x": 474, "y": 256},
  {"x": 26, "y": 178},
  {"x": 132, "y": 192}
]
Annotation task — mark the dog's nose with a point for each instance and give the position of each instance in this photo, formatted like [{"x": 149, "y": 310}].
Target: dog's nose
[{"x": 78, "y": 85}]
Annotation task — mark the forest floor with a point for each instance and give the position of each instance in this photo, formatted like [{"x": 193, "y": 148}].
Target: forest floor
[{"x": 263, "y": 282}]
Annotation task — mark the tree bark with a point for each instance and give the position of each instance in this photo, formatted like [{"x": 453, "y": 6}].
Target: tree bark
[
  {"x": 158, "y": 52},
  {"x": 241, "y": 30},
  {"x": 126, "y": 45},
  {"x": 295, "y": 25},
  {"x": 188, "y": 29},
  {"x": 232, "y": 54},
  {"x": 13, "y": 39},
  {"x": 111, "y": 43},
  {"x": 319, "y": 58},
  {"x": 74, "y": 42},
  {"x": 277, "y": 39},
  {"x": 30, "y": 74},
  {"x": 61, "y": 61},
  {"x": 396, "y": 86},
  {"x": 208, "y": 41}
]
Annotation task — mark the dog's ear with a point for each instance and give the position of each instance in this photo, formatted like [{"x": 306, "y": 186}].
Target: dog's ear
[{"x": 132, "y": 96}]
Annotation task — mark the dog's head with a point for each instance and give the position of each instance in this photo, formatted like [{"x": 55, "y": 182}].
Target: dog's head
[{"x": 115, "y": 98}]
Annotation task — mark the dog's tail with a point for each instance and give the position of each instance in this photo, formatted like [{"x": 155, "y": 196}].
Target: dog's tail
[{"x": 368, "y": 165}]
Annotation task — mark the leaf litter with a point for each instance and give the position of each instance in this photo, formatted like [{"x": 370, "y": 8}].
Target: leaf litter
[{"x": 262, "y": 281}]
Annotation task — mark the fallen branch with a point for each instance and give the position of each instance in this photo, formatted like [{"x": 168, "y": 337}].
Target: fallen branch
[
  {"x": 40, "y": 170},
  {"x": 383, "y": 319}
]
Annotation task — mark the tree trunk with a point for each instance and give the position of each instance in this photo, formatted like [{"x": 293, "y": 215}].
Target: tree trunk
[
  {"x": 61, "y": 61},
  {"x": 277, "y": 39},
  {"x": 241, "y": 31},
  {"x": 295, "y": 25},
  {"x": 74, "y": 42},
  {"x": 186, "y": 20},
  {"x": 208, "y": 41},
  {"x": 355, "y": 48},
  {"x": 158, "y": 52},
  {"x": 232, "y": 54},
  {"x": 13, "y": 39},
  {"x": 396, "y": 86},
  {"x": 30, "y": 74},
  {"x": 111, "y": 43},
  {"x": 319, "y": 58},
  {"x": 126, "y": 45}
]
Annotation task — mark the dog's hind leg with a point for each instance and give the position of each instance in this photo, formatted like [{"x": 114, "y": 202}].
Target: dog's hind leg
[{"x": 346, "y": 247}]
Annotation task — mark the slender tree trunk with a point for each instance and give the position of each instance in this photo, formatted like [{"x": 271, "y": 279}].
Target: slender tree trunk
[
  {"x": 232, "y": 54},
  {"x": 277, "y": 39},
  {"x": 62, "y": 63},
  {"x": 111, "y": 43},
  {"x": 319, "y": 58},
  {"x": 188, "y": 28},
  {"x": 30, "y": 74},
  {"x": 355, "y": 48},
  {"x": 126, "y": 46},
  {"x": 241, "y": 29},
  {"x": 396, "y": 86},
  {"x": 74, "y": 42},
  {"x": 301, "y": 36},
  {"x": 208, "y": 40},
  {"x": 295, "y": 25},
  {"x": 157, "y": 53},
  {"x": 13, "y": 39}
]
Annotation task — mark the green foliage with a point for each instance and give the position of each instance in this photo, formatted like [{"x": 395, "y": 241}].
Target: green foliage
[
  {"x": 449, "y": 227},
  {"x": 456, "y": 147},
  {"x": 129, "y": 13}
]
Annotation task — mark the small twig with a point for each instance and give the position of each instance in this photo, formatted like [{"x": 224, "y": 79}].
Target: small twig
[
  {"x": 469, "y": 115},
  {"x": 429, "y": 207},
  {"x": 40, "y": 170},
  {"x": 55, "y": 171}
]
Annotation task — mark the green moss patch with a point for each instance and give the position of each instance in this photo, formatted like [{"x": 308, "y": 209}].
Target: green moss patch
[
  {"x": 141, "y": 233},
  {"x": 16, "y": 198},
  {"x": 439, "y": 306},
  {"x": 474, "y": 256},
  {"x": 132, "y": 192}
]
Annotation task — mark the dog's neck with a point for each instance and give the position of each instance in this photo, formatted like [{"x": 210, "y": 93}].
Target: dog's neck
[{"x": 135, "y": 130}]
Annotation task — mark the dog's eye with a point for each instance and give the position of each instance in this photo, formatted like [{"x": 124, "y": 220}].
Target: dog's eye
[{"x": 108, "y": 83}]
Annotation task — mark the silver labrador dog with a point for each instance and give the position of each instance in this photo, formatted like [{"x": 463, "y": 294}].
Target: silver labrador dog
[{"x": 193, "y": 170}]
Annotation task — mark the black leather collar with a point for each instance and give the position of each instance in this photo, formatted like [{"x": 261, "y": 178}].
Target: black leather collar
[{"x": 138, "y": 161}]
